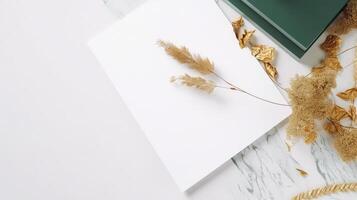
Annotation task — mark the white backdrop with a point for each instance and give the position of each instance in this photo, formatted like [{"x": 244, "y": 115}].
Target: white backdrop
[{"x": 63, "y": 128}]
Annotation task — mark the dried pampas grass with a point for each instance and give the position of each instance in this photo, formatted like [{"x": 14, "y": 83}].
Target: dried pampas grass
[
  {"x": 197, "y": 82},
  {"x": 346, "y": 144},
  {"x": 184, "y": 56}
]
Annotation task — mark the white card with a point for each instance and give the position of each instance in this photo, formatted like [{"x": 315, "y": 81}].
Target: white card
[{"x": 192, "y": 132}]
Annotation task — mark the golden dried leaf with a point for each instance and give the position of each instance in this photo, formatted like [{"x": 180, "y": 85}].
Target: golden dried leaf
[
  {"x": 184, "y": 56},
  {"x": 263, "y": 53},
  {"x": 244, "y": 40},
  {"x": 337, "y": 113},
  {"x": 237, "y": 24},
  {"x": 331, "y": 44},
  {"x": 197, "y": 82},
  {"x": 352, "y": 113},
  {"x": 348, "y": 95},
  {"x": 271, "y": 70},
  {"x": 310, "y": 137},
  {"x": 302, "y": 172}
]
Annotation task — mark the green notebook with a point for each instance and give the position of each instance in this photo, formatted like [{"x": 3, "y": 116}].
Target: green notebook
[
  {"x": 302, "y": 21},
  {"x": 273, "y": 31}
]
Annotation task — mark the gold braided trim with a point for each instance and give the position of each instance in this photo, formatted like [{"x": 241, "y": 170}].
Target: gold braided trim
[{"x": 327, "y": 190}]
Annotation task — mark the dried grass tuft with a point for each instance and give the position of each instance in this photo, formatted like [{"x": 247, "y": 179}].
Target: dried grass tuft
[
  {"x": 197, "y": 82},
  {"x": 184, "y": 56},
  {"x": 309, "y": 97},
  {"x": 346, "y": 20},
  {"x": 346, "y": 145}
]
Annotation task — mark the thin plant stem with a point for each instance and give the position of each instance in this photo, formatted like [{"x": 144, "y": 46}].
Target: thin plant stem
[
  {"x": 236, "y": 88},
  {"x": 342, "y": 52}
]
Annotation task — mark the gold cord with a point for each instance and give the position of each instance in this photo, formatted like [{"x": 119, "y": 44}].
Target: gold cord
[{"x": 327, "y": 190}]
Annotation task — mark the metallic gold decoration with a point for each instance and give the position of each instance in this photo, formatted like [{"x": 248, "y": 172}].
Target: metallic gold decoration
[
  {"x": 263, "y": 53},
  {"x": 244, "y": 40}
]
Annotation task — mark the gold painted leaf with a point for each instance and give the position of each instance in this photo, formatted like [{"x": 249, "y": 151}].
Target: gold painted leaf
[
  {"x": 348, "y": 95},
  {"x": 244, "y": 40},
  {"x": 197, "y": 82},
  {"x": 337, "y": 113},
  {"x": 263, "y": 53},
  {"x": 237, "y": 24},
  {"x": 271, "y": 70},
  {"x": 302, "y": 172}
]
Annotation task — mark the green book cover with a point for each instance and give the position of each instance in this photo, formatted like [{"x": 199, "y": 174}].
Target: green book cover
[
  {"x": 266, "y": 27},
  {"x": 302, "y": 21}
]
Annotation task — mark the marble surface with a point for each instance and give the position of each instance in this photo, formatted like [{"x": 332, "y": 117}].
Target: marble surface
[{"x": 266, "y": 169}]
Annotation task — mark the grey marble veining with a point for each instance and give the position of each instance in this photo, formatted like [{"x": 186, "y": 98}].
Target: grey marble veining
[
  {"x": 329, "y": 164},
  {"x": 266, "y": 169}
]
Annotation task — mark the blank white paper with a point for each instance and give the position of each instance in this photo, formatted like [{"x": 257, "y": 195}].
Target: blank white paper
[{"x": 192, "y": 132}]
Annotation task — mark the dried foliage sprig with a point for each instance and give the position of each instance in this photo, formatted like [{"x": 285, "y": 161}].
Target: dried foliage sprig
[
  {"x": 327, "y": 190},
  {"x": 311, "y": 102},
  {"x": 262, "y": 53},
  {"x": 204, "y": 66}
]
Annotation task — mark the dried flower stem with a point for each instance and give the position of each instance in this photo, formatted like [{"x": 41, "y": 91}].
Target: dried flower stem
[
  {"x": 344, "y": 67},
  {"x": 236, "y": 88},
  {"x": 204, "y": 66},
  {"x": 348, "y": 49}
]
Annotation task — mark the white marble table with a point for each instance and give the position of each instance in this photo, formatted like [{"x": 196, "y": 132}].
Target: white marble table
[
  {"x": 65, "y": 133},
  {"x": 266, "y": 170}
]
